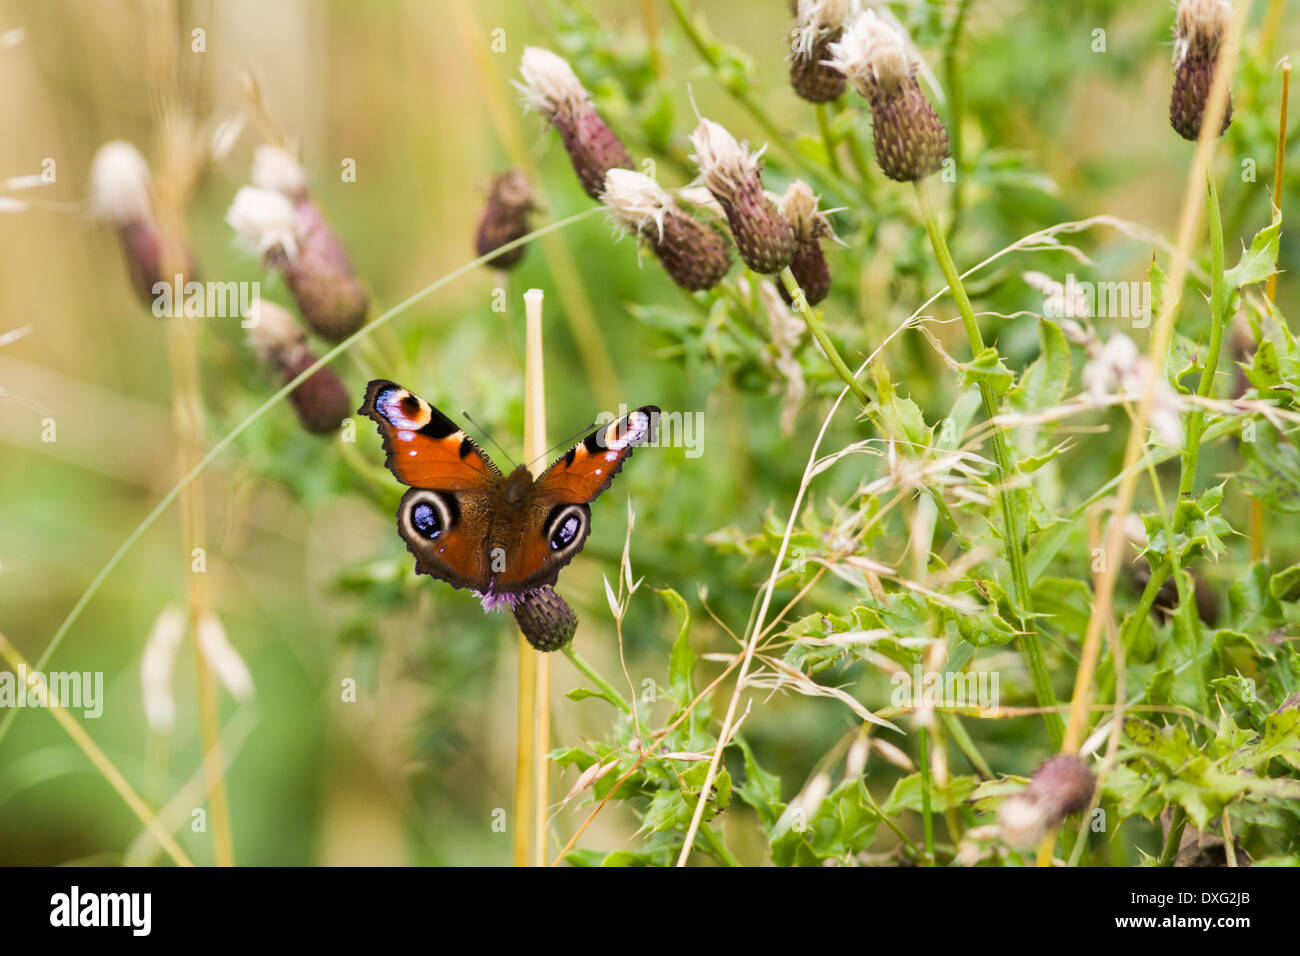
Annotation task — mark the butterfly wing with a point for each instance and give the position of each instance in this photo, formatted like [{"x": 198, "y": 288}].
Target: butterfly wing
[
  {"x": 446, "y": 516},
  {"x": 556, "y": 518}
]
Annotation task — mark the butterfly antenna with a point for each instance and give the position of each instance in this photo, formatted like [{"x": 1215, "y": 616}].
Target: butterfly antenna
[
  {"x": 488, "y": 435},
  {"x": 564, "y": 443}
]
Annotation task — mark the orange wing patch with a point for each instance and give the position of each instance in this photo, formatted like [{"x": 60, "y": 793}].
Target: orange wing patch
[
  {"x": 589, "y": 466},
  {"x": 425, "y": 448}
]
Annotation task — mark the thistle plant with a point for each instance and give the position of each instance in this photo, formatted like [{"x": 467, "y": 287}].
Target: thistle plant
[{"x": 952, "y": 575}]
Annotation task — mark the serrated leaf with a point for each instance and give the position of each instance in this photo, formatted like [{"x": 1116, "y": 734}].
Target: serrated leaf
[{"x": 1047, "y": 379}]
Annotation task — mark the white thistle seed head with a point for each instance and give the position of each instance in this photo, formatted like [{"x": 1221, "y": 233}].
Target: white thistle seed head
[
  {"x": 264, "y": 220},
  {"x": 725, "y": 164},
  {"x": 550, "y": 86},
  {"x": 276, "y": 169},
  {"x": 816, "y": 19},
  {"x": 636, "y": 200},
  {"x": 873, "y": 55},
  {"x": 1200, "y": 24},
  {"x": 119, "y": 184}
]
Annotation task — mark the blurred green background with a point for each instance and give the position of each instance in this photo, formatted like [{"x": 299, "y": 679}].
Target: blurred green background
[{"x": 307, "y": 574}]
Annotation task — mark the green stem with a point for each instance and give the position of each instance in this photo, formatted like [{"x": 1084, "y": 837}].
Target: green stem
[
  {"x": 824, "y": 125},
  {"x": 1196, "y": 420},
  {"x": 860, "y": 164},
  {"x": 927, "y": 818},
  {"x": 605, "y": 689},
  {"x": 814, "y": 323},
  {"x": 1175, "y": 838},
  {"x": 1030, "y": 645},
  {"x": 952, "y": 79}
]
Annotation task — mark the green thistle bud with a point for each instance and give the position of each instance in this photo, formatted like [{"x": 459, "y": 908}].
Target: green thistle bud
[
  {"x": 818, "y": 24},
  {"x": 731, "y": 173},
  {"x": 694, "y": 255},
  {"x": 505, "y": 217},
  {"x": 1199, "y": 31},
  {"x": 546, "y": 619},
  {"x": 910, "y": 141},
  {"x": 551, "y": 88}
]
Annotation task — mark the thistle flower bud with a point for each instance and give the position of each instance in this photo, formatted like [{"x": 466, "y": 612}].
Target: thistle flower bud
[
  {"x": 731, "y": 173},
  {"x": 296, "y": 239},
  {"x": 546, "y": 619},
  {"x": 551, "y": 88},
  {"x": 818, "y": 24},
  {"x": 321, "y": 402},
  {"x": 120, "y": 196},
  {"x": 910, "y": 141},
  {"x": 694, "y": 255},
  {"x": 1199, "y": 30},
  {"x": 505, "y": 217},
  {"x": 1062, "y": 785},
  {"x": 799, "y": 208}
]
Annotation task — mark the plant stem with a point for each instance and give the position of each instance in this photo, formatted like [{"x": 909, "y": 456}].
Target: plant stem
[
  {"x": 605, "y": 687},
  {"x": 534, "y": 692},
  {"x": 860, "y": 164},
  {"x": 814, "y": 323},
  {"x": 825, "y": 127},
  {"x": 952, "y": 79},
  {"x": 1175, "y": 838},
  {"x": 1196, "y": 419},
  {"x": 60, "y": 713},
  {"x": 927, "y": 819},
  {"x": 1030, "y": 645},
  {"x": 1257, "y": 532}
]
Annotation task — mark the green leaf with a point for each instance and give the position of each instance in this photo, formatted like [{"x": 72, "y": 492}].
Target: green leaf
[
  {"x": 987, "y": 367},
  {"x": 1047, "y": 379},
  {"x": 761, "y": 790},
  {"x": 1259, "y": 261},
  {"x": 901, "y": 417},
  {"x": 1272, "y": 472},
  {"x": 681, "y": 664}
]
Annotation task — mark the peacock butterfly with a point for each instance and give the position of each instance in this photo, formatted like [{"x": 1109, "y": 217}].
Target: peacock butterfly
[{"x": 474, "y": 527}]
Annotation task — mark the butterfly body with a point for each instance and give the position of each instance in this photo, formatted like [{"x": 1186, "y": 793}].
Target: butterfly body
[{"x": 467, "y": 523}]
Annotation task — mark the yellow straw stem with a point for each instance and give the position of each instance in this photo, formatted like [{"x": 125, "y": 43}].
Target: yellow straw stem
[
  {"x": 87, "y": 746},
  {"x": 535, "y": 453}
]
